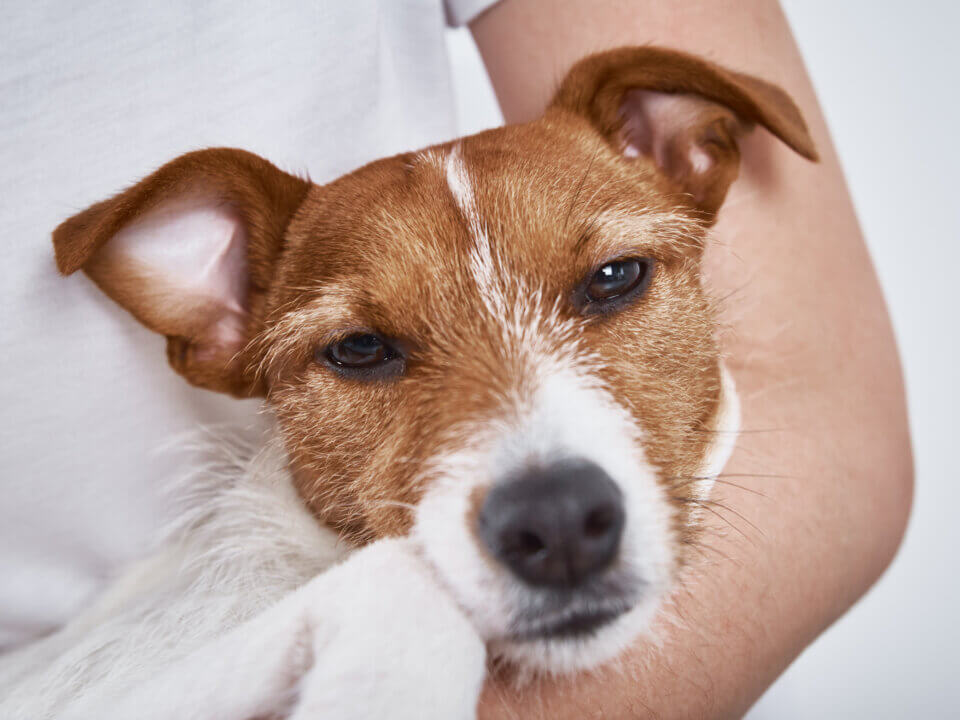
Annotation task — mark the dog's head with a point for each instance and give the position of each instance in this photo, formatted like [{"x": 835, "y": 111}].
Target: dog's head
[{"x": 500, "y": 344}]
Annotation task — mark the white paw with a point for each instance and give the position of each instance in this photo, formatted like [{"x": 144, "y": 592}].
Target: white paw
[{"x": 388, "y": 642}]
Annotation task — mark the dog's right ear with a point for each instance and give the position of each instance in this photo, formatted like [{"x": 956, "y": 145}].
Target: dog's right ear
[
  {"x": 682, "y": 114},
  {"x": 190, "y": 252}
]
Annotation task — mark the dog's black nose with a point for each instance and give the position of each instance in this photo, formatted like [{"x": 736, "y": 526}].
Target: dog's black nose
[{"x": 554, "y": 525}]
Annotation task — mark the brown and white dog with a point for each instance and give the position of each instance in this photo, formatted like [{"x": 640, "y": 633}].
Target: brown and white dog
[{"x": 491, "y": 362}]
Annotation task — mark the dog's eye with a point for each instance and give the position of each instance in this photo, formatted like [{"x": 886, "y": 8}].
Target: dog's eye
[
  {"x": 362, "y": 352},
  {"x": 618, "y": 279}
]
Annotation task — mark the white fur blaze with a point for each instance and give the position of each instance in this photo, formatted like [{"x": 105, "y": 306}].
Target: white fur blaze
[{"x": 483, "y": 265}]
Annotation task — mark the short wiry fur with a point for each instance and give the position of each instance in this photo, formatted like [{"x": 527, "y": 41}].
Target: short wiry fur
[{"x": 471, "y": 259}]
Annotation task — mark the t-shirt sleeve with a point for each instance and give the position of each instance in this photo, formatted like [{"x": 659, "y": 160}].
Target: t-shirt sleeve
[{"x": 460, "y": 12}]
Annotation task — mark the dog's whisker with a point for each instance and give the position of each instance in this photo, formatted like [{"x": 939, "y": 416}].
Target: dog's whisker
[
  {"x": 711, "y": 507},
  {"x": 720, "y": 481},
  {"x": 579, "y": 189}
]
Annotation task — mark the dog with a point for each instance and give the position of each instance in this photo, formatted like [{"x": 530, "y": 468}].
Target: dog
[{"x": 498, "y": 396}]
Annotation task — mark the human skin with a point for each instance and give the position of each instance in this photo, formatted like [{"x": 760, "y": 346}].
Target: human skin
[{"x": 814, "y": 502}]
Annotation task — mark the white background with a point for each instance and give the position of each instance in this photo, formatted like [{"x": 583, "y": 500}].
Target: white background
[{"x": 888, "y": 73}]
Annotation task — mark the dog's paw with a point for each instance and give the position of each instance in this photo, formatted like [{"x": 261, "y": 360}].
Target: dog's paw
[{"x": 387, "y": 641}]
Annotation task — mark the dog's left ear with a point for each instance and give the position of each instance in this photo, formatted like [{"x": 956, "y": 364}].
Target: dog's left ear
[
  {"x": 681, "y": 112},
  {"x": 191, "y": 251}
]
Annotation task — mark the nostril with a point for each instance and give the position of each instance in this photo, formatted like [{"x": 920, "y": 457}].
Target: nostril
[
  {"x": 529, "y": 543},
  {"x": 523, "y": 545},
  {"x": 600, "y": 521}
]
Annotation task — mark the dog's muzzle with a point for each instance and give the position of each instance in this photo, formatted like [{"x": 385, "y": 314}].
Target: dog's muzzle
[{"x": 558, "y": 529}]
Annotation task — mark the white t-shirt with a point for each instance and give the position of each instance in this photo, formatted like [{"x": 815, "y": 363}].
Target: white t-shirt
[{"x": 96, "y": 95}]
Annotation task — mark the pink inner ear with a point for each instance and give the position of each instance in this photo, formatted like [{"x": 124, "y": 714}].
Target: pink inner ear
[
  {"x": 189, "y": 260},
  {"x": 665, "y": 127}
]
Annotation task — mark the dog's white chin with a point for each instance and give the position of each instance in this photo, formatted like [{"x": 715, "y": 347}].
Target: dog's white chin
[{"x": 570, "y": 654}]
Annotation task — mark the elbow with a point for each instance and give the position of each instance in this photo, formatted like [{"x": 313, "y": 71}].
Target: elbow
[
  {"x": 895, "y": 502},
  {"x": 888, "y": 486}
]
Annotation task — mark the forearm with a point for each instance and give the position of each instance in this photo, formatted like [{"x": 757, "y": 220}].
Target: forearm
[{"x": 819, "y": 489}]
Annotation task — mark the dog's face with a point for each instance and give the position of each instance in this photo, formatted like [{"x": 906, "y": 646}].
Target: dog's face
[
  {"x": 499, "y": 345},
  {"x": 483, "y": 351}
]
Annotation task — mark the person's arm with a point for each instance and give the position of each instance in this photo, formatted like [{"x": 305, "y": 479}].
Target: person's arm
[{"x": 819, "y": 489}]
